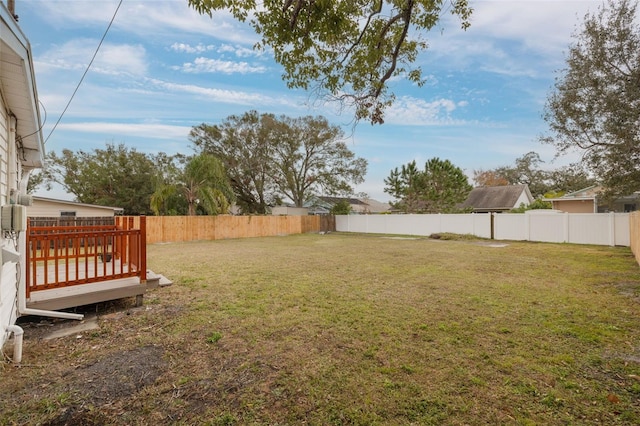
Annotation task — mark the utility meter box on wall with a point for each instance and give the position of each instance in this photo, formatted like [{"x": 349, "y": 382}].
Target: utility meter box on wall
[{"x": 14, "y": 218}]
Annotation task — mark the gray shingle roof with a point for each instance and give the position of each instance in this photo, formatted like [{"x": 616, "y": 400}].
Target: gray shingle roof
[{"x": 494, "y": 197}]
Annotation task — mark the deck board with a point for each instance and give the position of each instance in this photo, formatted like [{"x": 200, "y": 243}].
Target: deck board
[{"x": 84, "y": 294}]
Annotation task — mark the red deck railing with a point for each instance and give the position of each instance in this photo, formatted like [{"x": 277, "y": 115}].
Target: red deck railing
[{"x": 63, "y": 256}]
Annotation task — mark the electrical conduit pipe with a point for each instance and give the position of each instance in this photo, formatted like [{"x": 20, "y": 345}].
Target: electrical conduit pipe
[{"x": 18, "y": 332}]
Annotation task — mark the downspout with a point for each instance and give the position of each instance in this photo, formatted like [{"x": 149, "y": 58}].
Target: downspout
[
  {"x": 12, "y": 174},
  {"x": 17, "y": 342}
]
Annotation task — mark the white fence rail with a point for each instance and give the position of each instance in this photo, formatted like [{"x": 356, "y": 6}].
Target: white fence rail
[{"x": 545, "y": 226}]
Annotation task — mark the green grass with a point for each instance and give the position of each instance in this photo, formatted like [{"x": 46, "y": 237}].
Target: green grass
[{"x": 361, "y": 330}]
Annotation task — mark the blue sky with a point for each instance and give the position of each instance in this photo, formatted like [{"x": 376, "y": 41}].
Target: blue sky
[{"x": 163, "y": 69}]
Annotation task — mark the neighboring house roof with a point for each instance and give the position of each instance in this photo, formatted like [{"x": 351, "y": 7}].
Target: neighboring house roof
[
  {"x": 377, "y": 206},
  {"x": 588, "y": 193},
  {"x": 74, "y": 204},
  {"x": 590, "y": 196},
  {"x": 335, "y": 200},
  {"x": 19, "y": 89},
  {"x": 497, "y": 198},
  {"x": 323, "y": 205}
]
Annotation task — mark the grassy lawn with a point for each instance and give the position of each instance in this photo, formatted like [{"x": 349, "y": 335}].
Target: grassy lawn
[{"x": 344, "y": 329}]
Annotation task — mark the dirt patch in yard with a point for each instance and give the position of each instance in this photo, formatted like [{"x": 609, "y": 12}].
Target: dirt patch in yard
[
  {"x": 119, "y": 374},
  {"x": 108, "y": 380}
]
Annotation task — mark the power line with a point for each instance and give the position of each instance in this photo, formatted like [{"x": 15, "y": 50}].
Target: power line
[{"x": 85, "y": 71}]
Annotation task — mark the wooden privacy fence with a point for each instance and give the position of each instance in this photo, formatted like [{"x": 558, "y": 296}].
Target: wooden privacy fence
[
  {"x": 63, "y": 256},
  {"x": 192, "y": 228}
]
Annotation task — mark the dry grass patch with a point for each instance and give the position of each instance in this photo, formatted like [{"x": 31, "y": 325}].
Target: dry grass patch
[{"x": 354, "y": 329}]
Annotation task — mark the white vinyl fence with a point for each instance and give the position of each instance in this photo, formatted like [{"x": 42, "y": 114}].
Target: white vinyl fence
[{"x": 536, "y": 225}]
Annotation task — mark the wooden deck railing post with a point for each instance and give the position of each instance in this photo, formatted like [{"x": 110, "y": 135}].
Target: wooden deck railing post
[{"x": 143, "y": 248}]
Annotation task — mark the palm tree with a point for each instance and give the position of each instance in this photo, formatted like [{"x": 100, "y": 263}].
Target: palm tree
[{"x": 203, "y": 182}]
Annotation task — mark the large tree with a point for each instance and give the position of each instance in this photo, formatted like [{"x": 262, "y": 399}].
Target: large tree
[
  {"x": 439, "y": 188},
  {"x": 202, "y": 184},
  {"x": 270, "y": 158},
  {"x": 528, "y": 170},
  {"x": 312, "y": 158},
  {"x": 114, "y": 176},
  {"x": 346, "y": 50},
  {"x": 245, "y": 147},
  {"x": 595, "y": 105}
]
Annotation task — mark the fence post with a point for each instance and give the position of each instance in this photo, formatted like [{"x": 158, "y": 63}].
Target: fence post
[
  {"x": 565, "y": 225},
  {"x": 612, "y": 229},
  {"x": 492, "y": 225},
  {"x": 143, "y": 248}
]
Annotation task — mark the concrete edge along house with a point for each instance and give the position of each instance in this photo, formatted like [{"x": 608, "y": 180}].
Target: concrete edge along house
[{"x": 21, "y": 151}]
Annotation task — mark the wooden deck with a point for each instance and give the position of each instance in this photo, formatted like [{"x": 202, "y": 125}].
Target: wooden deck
[
  {"x": 79, "y": 295},
  {"x": 66, "y": 268}
]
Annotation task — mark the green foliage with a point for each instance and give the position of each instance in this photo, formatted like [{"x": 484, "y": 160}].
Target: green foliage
[
  {"x": 202, "y": 184},
  {"x": 114, "y": 176},
  {"x": 537, "y": 204},
  {"x": 527, "y": 170},
  {"x": 449, "y": 236},
  {"x": 594, "y": 107},
  {"x": 269, "y": 157},
  {"x": 37, "y": 178},
  {"x": 345, "y": 50},
  {"x": 439, "y": 188},
  {"x": 214, "y": 337},
  {"x": 341, "y": 207},
  {"x": 244, "y": 146}
]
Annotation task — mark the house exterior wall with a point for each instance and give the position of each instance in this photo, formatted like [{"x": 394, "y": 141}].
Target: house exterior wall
[
  {"x": 8, "y": 290},
  {"x": 11, "y": 248},
  {"x": 289, "y": 211},
  {"x": 4, "y": 132},
  {"x": 574, "y": 206},
  {"x": 19, "y": 118},
  {"x": 53, "y": 208},
  {"x": 522, "y": 199}
]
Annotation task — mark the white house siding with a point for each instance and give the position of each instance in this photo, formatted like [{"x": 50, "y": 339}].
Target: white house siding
[
  {"x": 4, "y": 135},
  {"x": 53, "y": 208},
  {"x": 8, "y": 287},
  {"x": 289, "y": 211},
  {"x": 19, "y": 116},
  {"x": 8, "y": 298},
  {"x": 522, "y": 199}
]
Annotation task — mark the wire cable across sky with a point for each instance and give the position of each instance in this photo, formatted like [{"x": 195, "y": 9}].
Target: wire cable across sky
[{"x": 85, "y": 71}]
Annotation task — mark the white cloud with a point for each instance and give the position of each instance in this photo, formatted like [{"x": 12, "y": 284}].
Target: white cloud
[
  {"x": 206, "y": 65},
  {"x": 236, "y": 50},
  {"x": 418, "y": 112},
  {"x": 187, "y": 48},
  {"x": 508, "y": 37},
  {"x": 222, "y": 95},
  {"x": 146, "y": 130},
  {"x": 159, "y": 17},
  {"x": 112, "y": 59},
  {"x": 542, "y": 25},
  {"x": 239, "y": 51}
]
